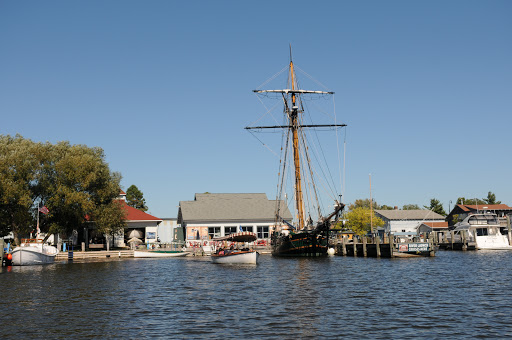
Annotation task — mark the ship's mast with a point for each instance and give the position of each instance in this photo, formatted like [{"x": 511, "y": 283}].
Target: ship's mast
[{"x": 294, "y": 126}]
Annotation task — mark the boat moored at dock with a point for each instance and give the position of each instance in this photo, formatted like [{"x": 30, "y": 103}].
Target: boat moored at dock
[
  {"x": 485, "y": 231},
  {"x": 33, "y": 252}
]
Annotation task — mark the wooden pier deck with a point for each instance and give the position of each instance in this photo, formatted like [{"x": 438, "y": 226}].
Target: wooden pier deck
[
  {"x": 389, "y": 247},
  {"x": 80, "y": 255}
]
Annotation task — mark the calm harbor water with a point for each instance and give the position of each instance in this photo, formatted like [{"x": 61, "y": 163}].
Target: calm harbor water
[{"x": 452, "y": 295}]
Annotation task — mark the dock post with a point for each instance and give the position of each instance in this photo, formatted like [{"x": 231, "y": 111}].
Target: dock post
[
  {"x": 391, "y": 246},
  {"x": 365, "y": 252},
  {"x": 431, "y": 244},
  {"x": 509, "y": 230},
  {"x": 452, "y": 234},
  {"x": 343, "y": 246},
  {"x": 377, "y": 245},
  {"x": 355, "y": 246},
  {"x": 464, "y": 240}
]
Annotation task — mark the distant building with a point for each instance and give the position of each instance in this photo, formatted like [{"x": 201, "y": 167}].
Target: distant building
[
  {"x": 167, "y": 230},
  {"x": 463, "y": 210},
  {"x": 409, "y": 221},
  {"x": 215, "y": 215},
  {"x": 139, "y": 224}
]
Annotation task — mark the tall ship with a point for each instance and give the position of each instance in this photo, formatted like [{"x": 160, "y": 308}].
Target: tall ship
[{"x": 308, "y": 233}]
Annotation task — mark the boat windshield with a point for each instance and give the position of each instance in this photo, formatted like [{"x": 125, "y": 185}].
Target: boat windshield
[{"x": 489, "y": 219}]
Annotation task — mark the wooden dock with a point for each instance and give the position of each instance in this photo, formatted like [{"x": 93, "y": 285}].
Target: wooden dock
[
  {"x": 389, "y": 247},
  {"x": 101, "y": 254},
  {"x": 449, "y": 240}
]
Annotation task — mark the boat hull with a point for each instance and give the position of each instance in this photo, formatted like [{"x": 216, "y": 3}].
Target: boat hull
[
  {"x": 29, "y": 256},
  {"x": 159, "y": 253},
  {"x": 244, "y": 257},
  {"x": 300, "y": 245}
]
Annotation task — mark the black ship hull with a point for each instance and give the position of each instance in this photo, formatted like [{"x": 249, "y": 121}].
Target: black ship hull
[{"x": 300, "y": 244}]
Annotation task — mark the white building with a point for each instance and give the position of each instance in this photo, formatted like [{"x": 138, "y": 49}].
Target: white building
[{"x": 408, "y": 221}]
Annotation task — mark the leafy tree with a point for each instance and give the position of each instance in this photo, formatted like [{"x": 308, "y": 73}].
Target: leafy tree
[
  {"x": 436, "y": 207},
  {"x": 365, "y": 203},
  {"x": 72, "y": 181},
  {"x": 411, "y": 207},
  {"x": 17, "y": 161},
  {"x": 491, "y": 198},
  {"x": 110, "y": 218},
  {"x": 359, "y": 218},
  {"x": 470, "y": 201},
  {"x": 135, "y": 198}
]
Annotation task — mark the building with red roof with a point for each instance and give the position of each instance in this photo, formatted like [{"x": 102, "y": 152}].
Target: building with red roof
[{"x": 141, "y": 227}]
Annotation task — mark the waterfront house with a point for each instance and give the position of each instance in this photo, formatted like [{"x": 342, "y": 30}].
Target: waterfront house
[
  {"x": 215, "y": 215},
  {"x": 139, "y": 224},
  {"x": 461, "y": 211},
  {"x": 403, "y": 222}
]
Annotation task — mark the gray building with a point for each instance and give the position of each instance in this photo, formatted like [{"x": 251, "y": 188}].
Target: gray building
[{"x": 215, "y": 215}]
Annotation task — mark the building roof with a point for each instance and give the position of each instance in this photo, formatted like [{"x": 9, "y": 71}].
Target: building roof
[
  {"x": 470, "y": 207},
  {"x": 136, "y": 215},
  {"x": 436, "y": 225},
  {"x": 231, "y": 207},
  {"x": 417, "y": 214}
]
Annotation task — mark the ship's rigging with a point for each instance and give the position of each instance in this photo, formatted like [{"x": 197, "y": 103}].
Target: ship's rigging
[{"x": 296, "y": 153}]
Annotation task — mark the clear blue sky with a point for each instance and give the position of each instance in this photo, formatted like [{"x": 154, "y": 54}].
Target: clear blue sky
[{"x": 164, "y": 87}]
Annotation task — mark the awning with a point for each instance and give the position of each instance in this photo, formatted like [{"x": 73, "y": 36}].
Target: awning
[{"x": 245, "y": 236}]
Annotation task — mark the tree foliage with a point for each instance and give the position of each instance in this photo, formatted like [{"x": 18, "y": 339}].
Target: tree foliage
[
  {"x": 360, "y": 219},
  {"x": 73, "y": 181},
  {"x": 135, "y": 198},
  {"x": 490, "y": 199},
  {"x": 365, "y": 203},
  {"x": 411, "y": 207},
  {"x": 436, "y": 206}
]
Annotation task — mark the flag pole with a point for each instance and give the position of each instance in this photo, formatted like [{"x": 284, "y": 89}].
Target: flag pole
[{"x": 37, "y": 230}]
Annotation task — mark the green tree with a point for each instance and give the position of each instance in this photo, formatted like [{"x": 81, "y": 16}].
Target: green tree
[
  {"x": 110, "y": 219},
  {"x": 411, "y": 207},
  {"x": 471, "y": 201},
  {"x": 436, "y": 207},
  {"x": 73, "y": 181},
  {"x": 135, "y": 198},
  {"x": 359, "y": 220},
  {"x": 491, "y": 198},
  {"x": 17, "y": 162}
]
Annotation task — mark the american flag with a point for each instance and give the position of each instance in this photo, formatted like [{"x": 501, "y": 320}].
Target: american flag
[{"x": 44, "y": 210}]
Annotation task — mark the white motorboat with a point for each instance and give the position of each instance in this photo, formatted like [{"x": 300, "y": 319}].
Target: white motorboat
[
  {"x": 236, "y": 256},
  {"x": 159, "y": 253},
  {"x": 485, "y": 230},
  {"x": 33, "y": 252}
]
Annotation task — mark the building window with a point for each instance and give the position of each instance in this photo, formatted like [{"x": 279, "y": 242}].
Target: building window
[
  {"x": 247, "y": 228},
  {"x": 263, "y": 232},
  {"x": 213, "y": 232},
  {"x": 229, "y": 230}
]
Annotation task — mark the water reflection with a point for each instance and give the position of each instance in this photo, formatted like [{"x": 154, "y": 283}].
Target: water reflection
[{"x": 455, "y": 294}]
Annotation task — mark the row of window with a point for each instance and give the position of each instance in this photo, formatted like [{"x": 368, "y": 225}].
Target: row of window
[{"x": 262, "y": 231}]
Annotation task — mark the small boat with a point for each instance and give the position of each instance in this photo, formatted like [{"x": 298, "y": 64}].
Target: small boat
[
  {"x": 485, "y": 230},
  {"x": 33, "y": 252},
  {"x": 236, "y": 256},
  {"x": 159, "y": 253}
]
